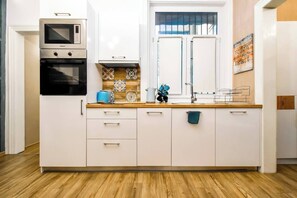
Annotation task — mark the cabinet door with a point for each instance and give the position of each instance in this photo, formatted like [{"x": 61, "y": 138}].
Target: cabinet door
[
  {"x": 193, "y": 145},
  {"x": 118, "y": 36},
  {"x": 62, "y": 131},
  {"x": 238, "y": 137},
  {"x": 63, "y": 9},
  {"x": 154, "y": 137},
  {"x": 286, "y": 134}
]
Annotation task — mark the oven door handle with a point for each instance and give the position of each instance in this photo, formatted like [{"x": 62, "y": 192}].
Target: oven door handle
[{"x": 63, "y": 61}]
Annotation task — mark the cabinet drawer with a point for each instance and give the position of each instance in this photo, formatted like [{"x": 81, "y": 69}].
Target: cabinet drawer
[
  {"x": 111, "y": 153},
  {"x": 111, "y": 113},
  {"x": 111, "y": 129}
]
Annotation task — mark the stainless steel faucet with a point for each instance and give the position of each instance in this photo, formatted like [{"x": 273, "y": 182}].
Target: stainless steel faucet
[{"x": 193, "y": 95}]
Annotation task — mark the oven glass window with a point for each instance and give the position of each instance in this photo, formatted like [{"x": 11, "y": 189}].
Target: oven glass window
[
  {"x": 64, "y": 75},
  {"x": 59, "y": 33}
]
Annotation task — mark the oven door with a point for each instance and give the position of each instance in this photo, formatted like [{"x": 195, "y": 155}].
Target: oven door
[{"x": 63, "y": 77}]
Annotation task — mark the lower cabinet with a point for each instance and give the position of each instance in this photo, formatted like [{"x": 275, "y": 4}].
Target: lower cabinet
[
  {"x": 62, "y": 131},
  {"x": 163, "y": 137},
  {"x": 193, "y": 144},
  {"x": 111, "y": 152},
  {"x": 111, "y": 137},
  {"x": 154, "y": 137},
  {"x": 238, "y": 137}
]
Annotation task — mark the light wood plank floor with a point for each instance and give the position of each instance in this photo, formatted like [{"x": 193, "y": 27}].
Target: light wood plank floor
[{"x": 20, "y": 177}]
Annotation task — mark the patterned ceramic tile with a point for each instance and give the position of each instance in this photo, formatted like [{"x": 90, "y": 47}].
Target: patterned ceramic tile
[
  {"x": 131, "y": 96},
  {"x": 107, "y": 73},
  {"x": 119, "y": 86},
  {"x": 131, "y": 74}
]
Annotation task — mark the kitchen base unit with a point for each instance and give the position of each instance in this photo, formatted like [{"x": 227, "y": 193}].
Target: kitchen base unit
[
  {"x": 159, "y": 137},
  {"x": 193, "y": 144},
  {"x": 238, "y": 137},
  {"x": 111, "y": 137},
  {"x": 62, "y": 131}
]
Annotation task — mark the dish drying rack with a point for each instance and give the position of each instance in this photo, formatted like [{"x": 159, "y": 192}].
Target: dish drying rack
[{"x": 236, "y": 95}]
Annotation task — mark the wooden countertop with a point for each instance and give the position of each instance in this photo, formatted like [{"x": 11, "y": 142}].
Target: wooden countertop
[{"x": 172, "y": 105}]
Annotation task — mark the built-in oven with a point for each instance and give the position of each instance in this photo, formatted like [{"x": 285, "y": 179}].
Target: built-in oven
[
  {"x": 63, "y": 33},
  {"x": 63, "y": 72}
]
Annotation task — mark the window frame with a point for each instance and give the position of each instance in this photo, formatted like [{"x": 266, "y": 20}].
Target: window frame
[{"x": 186, "y": 77}]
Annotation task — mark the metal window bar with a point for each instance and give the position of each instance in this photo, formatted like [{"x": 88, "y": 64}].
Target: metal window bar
[{"x": 187, "y": 23}]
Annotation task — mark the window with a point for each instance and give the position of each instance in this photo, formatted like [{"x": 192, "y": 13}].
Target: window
[
  {"x": 184, "y": 50},
  {"x": 186, "y": 23},
  {"x": 2, "y": 73}
]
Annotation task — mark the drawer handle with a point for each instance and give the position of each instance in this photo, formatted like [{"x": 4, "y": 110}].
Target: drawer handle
[
  {"x": 111, "y": 112},
  {"x": 118, "y": 57},
  {"x": 238, "y": 112},
  {"x": 155, "y": 112},
  {"x": 62, "y": 14},
  {"x": 110, "y": 123},
  {"x": 111, "y": 144}
]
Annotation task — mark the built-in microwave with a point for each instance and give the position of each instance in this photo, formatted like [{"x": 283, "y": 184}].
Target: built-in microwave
[{"x": 63, "y": 33}]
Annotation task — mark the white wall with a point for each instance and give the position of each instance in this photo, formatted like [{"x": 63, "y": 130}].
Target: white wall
[
  {"x": 22, "y": 18},
  {"x": 22, "y": 12},
  {"x": 32, "y": 89}
]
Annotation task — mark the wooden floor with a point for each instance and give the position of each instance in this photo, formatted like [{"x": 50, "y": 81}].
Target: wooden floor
[{"x": 20, "y": 177}]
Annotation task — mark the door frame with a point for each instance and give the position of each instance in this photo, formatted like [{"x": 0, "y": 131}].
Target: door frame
[
  {"x": 265, "y": 78},
  {"x": 15, "y": 88}
]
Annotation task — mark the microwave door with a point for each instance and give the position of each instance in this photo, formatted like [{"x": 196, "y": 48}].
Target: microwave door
[{"x": 59, "y": 34}]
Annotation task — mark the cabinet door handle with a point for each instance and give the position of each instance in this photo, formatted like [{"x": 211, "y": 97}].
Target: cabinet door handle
[
  {"x": 154, "y": 112},
  {"x": 81, "y": 107},
  {"x": 111, "y": 144},
  {"x": 119, "y": 57},
  {"x": 111, "y": 112},
  {"x": 238, "y": 112},
  {"x": 111, "y": 123},
  {"x": 62, "y": 14}
]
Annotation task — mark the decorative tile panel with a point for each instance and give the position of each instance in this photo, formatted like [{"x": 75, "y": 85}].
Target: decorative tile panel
[
  {"x": 107, "y": 73},
  {"x": 124, "y": 82},
  {"x": 131, "y": 96},
  {"x": 131, "y": 74},
  {"x": 119, "y": 86}
]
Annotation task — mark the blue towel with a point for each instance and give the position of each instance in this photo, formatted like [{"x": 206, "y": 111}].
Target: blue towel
[{"x": 193, "y": 117}]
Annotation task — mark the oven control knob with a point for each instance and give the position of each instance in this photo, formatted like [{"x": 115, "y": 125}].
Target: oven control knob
[
  {"x": 55, "y": 53},
  {"x": 70, "y": 53}
]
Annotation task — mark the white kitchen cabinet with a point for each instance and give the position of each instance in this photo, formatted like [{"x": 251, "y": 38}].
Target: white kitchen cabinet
[
  {"x": 238, "y": 137},
  {"x": 111, "y": 129},
  {"x": 111, "y": 137},
  {"x": 286, "y": 134},
  {"x": 118, "y": 37},
  {"x": 112, "y": 113},
  {"x": 111, "y": 152},
  {"x": 63, "y": 9},
  {"x": 154, "y": 137},
  {"x": 62, "y": 131},
  {"x": 193, "y": 145}
]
